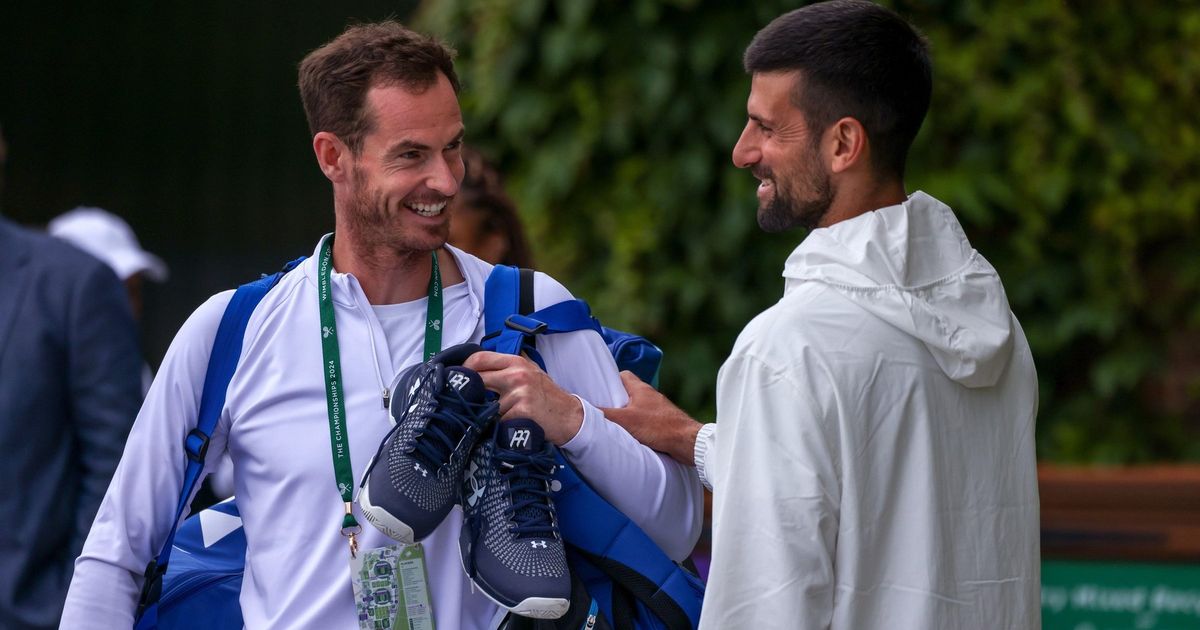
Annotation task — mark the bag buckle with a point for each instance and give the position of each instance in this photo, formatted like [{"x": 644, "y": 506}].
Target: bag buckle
[
  {"x": 525, "y": 325},
  {"x": 196, "y": 453},
  {"x": 152, "y": 587}
]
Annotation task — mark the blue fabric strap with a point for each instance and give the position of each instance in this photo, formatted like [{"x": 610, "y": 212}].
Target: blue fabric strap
[
  {"x": 567, "y": 316},
  {"x": 594, "y": 526},
  {"x": 507, "y": 331},
  {"x": 226, "y": 350},
  {"x": 501, "y": 297},
  {"x": 511, "y": 332}
]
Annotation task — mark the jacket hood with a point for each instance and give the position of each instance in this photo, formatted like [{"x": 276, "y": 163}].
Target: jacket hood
[{"x": 912, "y": 266}]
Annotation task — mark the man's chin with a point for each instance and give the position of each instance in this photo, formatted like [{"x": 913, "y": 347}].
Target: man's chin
[
  {"x": 772, "y": 219},
  {"x": 426, "y": 240}
]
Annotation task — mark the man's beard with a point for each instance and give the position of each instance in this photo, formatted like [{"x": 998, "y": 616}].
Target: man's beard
[
  {"x": 787, "y": 210},
  {"x": 366, "y": 211},
  {"x": 375, "y": 225}
]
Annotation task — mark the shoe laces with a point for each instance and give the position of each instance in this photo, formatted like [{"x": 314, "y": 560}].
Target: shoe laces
[
  {"x": 435, "y": 444},
  {"x": 528, "y": 476}
]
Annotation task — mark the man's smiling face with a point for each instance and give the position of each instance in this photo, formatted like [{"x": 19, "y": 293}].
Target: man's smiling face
[
  {"x": 408, "y": 168},
  {"x": 783, "y": 153}
]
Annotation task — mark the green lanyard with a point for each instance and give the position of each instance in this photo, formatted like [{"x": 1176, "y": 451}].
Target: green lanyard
[
  {"x": 343, "y": 473},
  {"x": 433, "y": 312}
]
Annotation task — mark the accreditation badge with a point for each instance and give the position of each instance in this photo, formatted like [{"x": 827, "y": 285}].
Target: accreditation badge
[{"x": 391, "y": 588}]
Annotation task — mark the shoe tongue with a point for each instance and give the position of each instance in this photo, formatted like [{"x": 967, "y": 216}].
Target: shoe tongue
[
  {"x": 521, "y": 435},
  {"x": 466, "y": 381}
]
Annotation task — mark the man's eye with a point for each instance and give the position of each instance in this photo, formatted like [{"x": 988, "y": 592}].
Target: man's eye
[
  {"x": 410, "y": 155},
  {"x": 454, "y": 145}
]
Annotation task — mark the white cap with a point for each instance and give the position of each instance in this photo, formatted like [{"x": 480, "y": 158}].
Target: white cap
[{"x": 109, "y": 238}]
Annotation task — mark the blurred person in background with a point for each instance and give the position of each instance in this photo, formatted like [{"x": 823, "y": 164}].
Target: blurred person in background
[
  {"x": 872, "y": 463},
  {"x": 483, "y": 218},
  {"x": 69, "y": 391},
  {"x": 109, "y": 238}
]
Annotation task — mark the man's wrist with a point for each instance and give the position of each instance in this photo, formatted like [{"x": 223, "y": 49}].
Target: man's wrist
[
  {"x": 573, "y": 424},
  {"x": 685, "y": 449}
]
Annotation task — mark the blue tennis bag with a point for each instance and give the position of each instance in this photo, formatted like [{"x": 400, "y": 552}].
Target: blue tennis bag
[
  {"x": 620, "y": 578},
  {"x": 204, "y": 581}
]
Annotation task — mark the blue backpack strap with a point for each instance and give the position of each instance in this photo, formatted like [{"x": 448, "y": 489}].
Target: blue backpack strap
[
  {"x": 510, "y": 323},
  {"x": 501, "y": 300},
  {"x": 226, "y": 350},
  {"x": 608, "y": 539},
  {"x": 507, "y": 297},
  {"x": 567, "y": 316}
]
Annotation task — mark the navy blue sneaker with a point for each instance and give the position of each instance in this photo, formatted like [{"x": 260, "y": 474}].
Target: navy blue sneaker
[
  {"x": 510, "y": 544},
  {"x": 439, "y": 409}
]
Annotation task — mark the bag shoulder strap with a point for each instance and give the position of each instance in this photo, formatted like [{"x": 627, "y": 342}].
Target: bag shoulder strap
[
  {"x": 526, "y": 303},
  {"x": 222, "y": 362},
  {"x": 511, "y": 324}
]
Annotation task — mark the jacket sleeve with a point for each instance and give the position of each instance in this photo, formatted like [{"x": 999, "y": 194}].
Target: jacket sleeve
[
  {"x": 706, "y": 440},
  {"x": 104, "y": 369},
  {"x": 137, "y": 511},
  {"x": 776, "y": 505},
  {"x": 663, "y": 497}
]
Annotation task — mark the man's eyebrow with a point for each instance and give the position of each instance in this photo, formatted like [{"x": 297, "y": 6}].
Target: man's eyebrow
[
  {"x": 760, "y": 120},
  {"x": 404, "y": 146}
]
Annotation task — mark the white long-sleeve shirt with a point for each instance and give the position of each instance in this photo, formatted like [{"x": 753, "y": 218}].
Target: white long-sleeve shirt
[
  {"x": 873, "y": 463},
  {"x": 275, "y": 428}
]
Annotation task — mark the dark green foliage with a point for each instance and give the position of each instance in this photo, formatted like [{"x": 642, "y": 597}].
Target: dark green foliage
[{"x": 1065, "y": 135}]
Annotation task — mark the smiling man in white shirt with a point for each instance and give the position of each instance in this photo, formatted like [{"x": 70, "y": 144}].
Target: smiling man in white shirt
[
  {"x": 382, "y": 106},
  {"x": 872, "y": 464}
]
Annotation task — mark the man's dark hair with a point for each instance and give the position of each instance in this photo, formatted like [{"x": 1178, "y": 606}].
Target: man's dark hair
[
  {"x": 334, "y": 78},
  {"x": 855, "y": 59}
]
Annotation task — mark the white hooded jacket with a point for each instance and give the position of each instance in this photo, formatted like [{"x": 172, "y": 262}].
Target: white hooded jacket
[{"x": 875, "y": 465}]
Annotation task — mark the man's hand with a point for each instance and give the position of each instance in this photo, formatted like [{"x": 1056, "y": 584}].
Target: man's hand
[
  {"x": 528, "y": 392},
  {"x": 656, "y": 421}
]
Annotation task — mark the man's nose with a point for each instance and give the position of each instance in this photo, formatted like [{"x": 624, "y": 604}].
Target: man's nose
[
  {"x": 746, "y": 152},
  {"x": 441, "y": 178}
]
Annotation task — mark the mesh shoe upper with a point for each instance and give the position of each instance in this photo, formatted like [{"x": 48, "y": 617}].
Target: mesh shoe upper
[
  {"x": 412, "y": 483},
  {"x": 510, "y": 541}
]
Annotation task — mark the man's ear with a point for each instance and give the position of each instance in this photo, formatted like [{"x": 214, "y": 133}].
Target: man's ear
[
  {"x": 849, "y": 145},
  {"x": 333, "y": 156}
]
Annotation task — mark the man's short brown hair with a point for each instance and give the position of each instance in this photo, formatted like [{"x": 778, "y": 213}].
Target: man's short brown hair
[{"x": 334, "y": 78}]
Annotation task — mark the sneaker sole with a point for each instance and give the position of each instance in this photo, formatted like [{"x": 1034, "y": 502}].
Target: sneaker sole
[
  {"x": 380, "y": 518},
  {"x": 541, "y": 607},
  {"x": 532, "y": 607}
]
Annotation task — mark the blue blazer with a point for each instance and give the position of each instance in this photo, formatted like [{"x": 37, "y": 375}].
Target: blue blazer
[{"x": 70, "y": 387}]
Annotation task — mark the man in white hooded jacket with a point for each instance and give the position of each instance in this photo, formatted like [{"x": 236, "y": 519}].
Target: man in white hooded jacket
[{"x": 872, "y": 463}]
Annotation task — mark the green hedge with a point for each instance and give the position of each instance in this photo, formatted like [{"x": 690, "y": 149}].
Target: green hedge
[{"x": 1064, "y": 134}]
